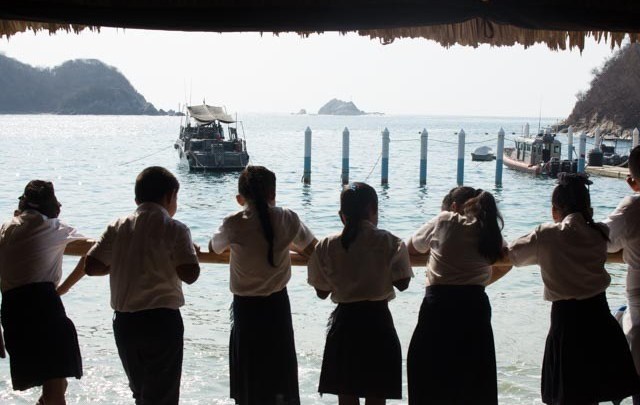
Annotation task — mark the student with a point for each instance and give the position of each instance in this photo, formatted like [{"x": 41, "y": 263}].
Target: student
[
  {"x": 262, "y": 355},
  {"x": 359, "y": 267},
  {"x": 624, "y": 233},
  {"x": 586, "y": 358},
  {"x": 41, "y": 340},
  {"x": 451, "y": 359},
  {"x": 148, "y": 255}
]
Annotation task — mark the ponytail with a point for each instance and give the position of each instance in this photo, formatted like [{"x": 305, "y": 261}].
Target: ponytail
[
  {"x": 483, "y": 209},
  {"x": 356, "y": 202},
  {"x": 571, "y": 196},
  {"x": 257, "y": 185}
]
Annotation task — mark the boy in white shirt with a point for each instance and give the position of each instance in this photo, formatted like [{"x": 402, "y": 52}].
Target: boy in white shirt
[
  {"x": 148, "y": 255},
  {"x": 624, "y": 233}
]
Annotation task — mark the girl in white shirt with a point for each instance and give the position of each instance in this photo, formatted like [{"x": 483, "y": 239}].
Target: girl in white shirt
[
  {"x": 360, "y": 268},
  {"x": 41, "y": 341},
  {"x": 586, "y": 357},
  {"x": 263, "y": 364},
  {"x": 451, "y": 359}
]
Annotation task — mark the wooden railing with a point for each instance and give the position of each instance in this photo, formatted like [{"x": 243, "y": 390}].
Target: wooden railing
[{"x": 80, "y": 248}]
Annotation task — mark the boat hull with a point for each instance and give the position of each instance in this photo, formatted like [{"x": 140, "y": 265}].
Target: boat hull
[
  {"x": 482, "y": 158},
  {"x": 520, "y": 166},
  {"x": 212, "y": 161}
]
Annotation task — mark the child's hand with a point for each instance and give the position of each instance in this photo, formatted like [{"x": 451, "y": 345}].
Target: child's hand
[{"x": 196, "y": 247}]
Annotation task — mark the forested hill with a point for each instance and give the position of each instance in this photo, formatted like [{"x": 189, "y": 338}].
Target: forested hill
[
  {"x": 613, "y": 99},
  {"x": 84, "y": 86}
]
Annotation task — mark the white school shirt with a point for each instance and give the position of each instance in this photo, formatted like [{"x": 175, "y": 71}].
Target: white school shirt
[
  {"x": 251, "y": 273},
  {"x": 364, "y": 272},
  {"x": 624, "y": 233},
  {"x": 31, "y": 249},
  {"x": 454, "y": 258},
  {"x": 571, "y": 256},
  {"x": 143, "y": 250}
]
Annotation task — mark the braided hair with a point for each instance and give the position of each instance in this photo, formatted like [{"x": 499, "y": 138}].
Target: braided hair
[
  {"x": 257, "y": 185},
  {"x": 483, "y": 208},
  {"x": 571, "y": 196},
  {"x": 357, "y": 200}
]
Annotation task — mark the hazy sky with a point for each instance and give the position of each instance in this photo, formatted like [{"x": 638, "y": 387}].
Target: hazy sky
[{"x": 253, "y": 73}]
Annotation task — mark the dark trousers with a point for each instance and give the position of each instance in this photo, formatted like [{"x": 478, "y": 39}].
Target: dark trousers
[{"x": 150, "y": 346}]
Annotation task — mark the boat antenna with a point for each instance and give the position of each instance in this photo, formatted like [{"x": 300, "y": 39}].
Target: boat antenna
[{"x": 540, "y": 114}]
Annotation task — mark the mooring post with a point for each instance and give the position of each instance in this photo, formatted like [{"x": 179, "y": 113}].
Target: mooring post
[
  {"x": 570, "y": 143},
  {"x": 635, "y": 138},
  {"x": 461, "y": 136},
  {"x": 424, "y": 140},
  {"x": 526, "y": 130},
  {"x": 306, "y": 176},
  {"x": 385, "y": 156},
  {"x": 345, "y": 156},
  {"x": 597, "y": 140},
  {"x": 582, "y": 152},
  {"x": 499, "y": 154}
]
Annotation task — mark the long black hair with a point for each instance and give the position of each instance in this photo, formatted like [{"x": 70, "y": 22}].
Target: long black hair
[
  {"x": 357, "y": 200},
  {"x": 571, "y": 196},
  {"x": 39, "y": 195},
  {"x": 257, "y": 184},
  {"x": 483, "y": 209},
  {"x": 458, "y": 195}
]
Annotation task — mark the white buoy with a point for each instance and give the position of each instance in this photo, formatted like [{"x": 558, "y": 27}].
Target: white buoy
[
  {"x": 424, "y": 139},
  {"x": 500, "y": 152},
  {"x": 345, "y": 156},
  {"x": 461, "y": 137},
  {"x": 385, "y": 156}
]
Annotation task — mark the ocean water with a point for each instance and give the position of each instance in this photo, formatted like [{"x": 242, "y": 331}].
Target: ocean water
[{"x": 93, "y": 162}]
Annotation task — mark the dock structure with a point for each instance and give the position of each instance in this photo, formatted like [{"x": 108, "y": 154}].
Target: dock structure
[
  {"x": 81, "y": 247},
  {"x": 608, "y": 171}
]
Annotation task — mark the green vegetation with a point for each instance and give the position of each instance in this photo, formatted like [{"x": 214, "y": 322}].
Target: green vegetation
[{"x": 85, "y": 86}]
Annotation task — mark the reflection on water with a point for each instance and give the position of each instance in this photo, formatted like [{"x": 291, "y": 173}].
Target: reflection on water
[{"x": 87, "y": 158}]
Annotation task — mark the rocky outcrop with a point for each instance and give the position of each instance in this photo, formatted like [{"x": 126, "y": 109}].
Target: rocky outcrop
[
  {"x": 86, "y": 86},
  {"x": 612, "y": 102},
  {"x": 339, "y": 107}
]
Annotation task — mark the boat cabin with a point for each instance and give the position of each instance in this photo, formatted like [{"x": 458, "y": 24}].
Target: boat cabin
[{"x": 540, "y": 149}]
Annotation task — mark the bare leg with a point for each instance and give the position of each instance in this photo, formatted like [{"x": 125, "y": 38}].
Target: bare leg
[
  {"x": 53, "y": 391},
  {"x": 375, "y": 401},
  {"x": 348, "y": 400}
]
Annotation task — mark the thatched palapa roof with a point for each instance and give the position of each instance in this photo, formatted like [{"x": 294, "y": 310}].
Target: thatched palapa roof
[{"x": 556, "y": 23}]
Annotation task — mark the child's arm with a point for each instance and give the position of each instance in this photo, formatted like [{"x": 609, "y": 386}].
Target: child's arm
[
  {"x": 322, "y": 294},
  {"x": 188, "y": 273},
  {"x": 3, "y": 353},
  {"x": 402, "y": 284},
  {"x": 94, "y": 267},
  {"x": 401, "y": 271},
  {"x": 497, "y": 272},
  {"x": 73, "y": 278},
  {"x": 307, "y": 251}
]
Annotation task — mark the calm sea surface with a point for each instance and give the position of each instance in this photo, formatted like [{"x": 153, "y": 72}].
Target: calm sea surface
[{"x": 93, "y": 162}]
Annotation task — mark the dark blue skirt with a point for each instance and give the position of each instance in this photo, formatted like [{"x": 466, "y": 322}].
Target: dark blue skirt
[
  {"x": 262, "y": 352},
  {"x": 41, "y": 341},
  {"x": 586, "y": 358},
  {"x": 362, "y": 354},
  {"x": 451, "y": 357}
]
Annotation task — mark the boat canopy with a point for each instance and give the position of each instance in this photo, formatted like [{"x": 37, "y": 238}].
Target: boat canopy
[{"x": 206, "y": 114}]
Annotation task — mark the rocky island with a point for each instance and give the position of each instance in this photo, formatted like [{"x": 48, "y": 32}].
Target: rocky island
[
  {"x": 613, "y": 100},
  {"x": 339, "y": 107},
  {"x": 84, "y": 86}
]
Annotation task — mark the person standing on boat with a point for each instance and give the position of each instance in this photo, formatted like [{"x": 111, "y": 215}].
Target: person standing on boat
[
  {"x": 624, "y": 234},
  {"x": 451, "y": 360},
  {"x": 262, "y": 356},
  {"x": 586, "y": 357},
  {"x": 360, "y": 268},
  {"x": 148, "y": 255},
  {"x": 41, "y": 340}
]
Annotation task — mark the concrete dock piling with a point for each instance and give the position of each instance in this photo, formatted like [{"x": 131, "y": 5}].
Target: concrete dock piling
[
  {"x": 306, "y": 176},
  {"x": 345, "y": 156},
  {"x": 499, "y": 154},
  {"x": 461, "y": 140},
  {"x": 385, "y": 157},
  {"x": 424, "y": 140},
  {"x": 582, "y": 152}
]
